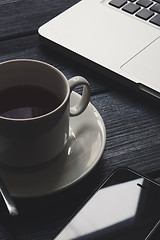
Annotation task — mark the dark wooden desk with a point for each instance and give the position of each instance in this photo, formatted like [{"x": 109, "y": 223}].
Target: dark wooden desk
[{"x": 132, "y": 122}]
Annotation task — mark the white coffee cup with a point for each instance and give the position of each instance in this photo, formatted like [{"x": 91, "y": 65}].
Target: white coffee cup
[{"x": 35, "y": 140}]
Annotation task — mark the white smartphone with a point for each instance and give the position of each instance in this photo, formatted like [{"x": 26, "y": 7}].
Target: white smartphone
[{"x": 125, "y": 207}]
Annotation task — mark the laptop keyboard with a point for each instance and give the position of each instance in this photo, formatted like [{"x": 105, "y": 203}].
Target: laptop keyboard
[{"x": 148, "y": 10}]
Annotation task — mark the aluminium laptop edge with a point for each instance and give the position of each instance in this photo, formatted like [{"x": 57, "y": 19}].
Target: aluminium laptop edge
[{"x": 120, "y": 45}]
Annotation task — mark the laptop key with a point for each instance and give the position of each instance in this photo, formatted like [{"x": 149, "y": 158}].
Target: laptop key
[
  {"x": 156, "y": 20},
  {"x": 131, "y": 8},
  {"x": 144, "y": 3},
  {"x": 145, "y": 14},
  {"x": 156, "y": 8},
  {"x": 158, "y": 1},
  {"x": 117, "y": 3}
]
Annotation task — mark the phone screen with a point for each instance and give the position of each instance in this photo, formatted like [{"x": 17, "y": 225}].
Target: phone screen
[{"x": 126, "y": 206}]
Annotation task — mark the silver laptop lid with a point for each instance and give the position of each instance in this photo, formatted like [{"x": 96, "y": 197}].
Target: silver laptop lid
[{"x": 111, "y": 38}]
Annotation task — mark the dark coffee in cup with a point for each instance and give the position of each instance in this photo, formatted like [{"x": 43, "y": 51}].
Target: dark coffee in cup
[
  {"x": 29, "y": 89},
  {"x": 22, "y": 102}
]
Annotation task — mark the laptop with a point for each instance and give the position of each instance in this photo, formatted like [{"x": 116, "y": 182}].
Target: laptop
[{"x": 117, "y": 37}]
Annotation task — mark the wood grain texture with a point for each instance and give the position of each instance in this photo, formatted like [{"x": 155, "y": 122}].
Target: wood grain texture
[
  {"x": 132, "y": 141},
  {"x": 132, "y": 128},
  {"x": 132, "y": 122},
  {"x": 24, "y": 17},
  {"x": 32, "y": 48}
]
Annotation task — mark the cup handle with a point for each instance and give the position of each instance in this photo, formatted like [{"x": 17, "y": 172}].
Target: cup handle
[{"x": 82, "y": 104}]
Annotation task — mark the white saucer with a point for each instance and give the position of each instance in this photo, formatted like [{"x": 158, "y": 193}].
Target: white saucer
[{"x": 83, "y": 151}]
